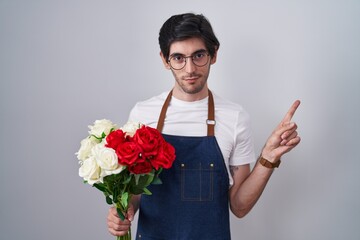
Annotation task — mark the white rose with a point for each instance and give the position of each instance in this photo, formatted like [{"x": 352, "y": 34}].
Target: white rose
[
  {"x": 90, "y": 171},
  {"x": 131, "y": 127},
  {"x": 107, "y": 159},
  {"x": 85, "y": 148},
  {"x": 101, "y": 126}
]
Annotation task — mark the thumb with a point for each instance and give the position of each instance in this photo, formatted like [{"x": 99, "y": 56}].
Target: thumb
[{"x": 130, "y": 213}]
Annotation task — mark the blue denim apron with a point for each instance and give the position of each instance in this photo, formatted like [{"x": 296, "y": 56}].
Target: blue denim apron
[{"x": 192, "y": 202}]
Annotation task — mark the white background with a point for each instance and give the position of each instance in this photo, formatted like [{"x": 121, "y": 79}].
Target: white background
[{"x": 64, "y": 64}]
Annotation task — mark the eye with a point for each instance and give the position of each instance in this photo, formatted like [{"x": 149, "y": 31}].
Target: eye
[
  {"x": 199, "y": 55},
  {"x": 177, "y": 58}
]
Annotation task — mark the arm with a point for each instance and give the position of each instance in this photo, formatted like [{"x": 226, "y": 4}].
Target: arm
[
  {"x": 248, "y": 186},
  {"x": 117, "y": 227}
]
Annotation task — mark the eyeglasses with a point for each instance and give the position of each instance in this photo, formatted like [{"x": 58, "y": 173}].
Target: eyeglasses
[{"x": 178, "y": 61}]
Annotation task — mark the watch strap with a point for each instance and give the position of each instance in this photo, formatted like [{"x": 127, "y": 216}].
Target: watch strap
[{"x": 269, "y": 164}]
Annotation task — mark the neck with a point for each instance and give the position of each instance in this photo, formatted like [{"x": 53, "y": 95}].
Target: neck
[{"x": 190, "y": 97}]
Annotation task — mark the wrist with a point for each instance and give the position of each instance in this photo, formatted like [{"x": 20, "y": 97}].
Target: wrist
[
  {"x": 269, "y": 164},
  {"x": 269, "y": 154}
]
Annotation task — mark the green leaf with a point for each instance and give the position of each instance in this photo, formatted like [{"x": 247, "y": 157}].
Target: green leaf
[
  {"x": 135, "y": 190},
  {"x": 100, "y": 186},
  {"x": 159, "y": 171},
  {"x": 98, "y": 138},
  {"x": 109, "y": 200},
  {"x": 139, "y": 182},
  {"x": 127, "y": 179},
  {"x": 115, "y": 195},
  {"x": 147, "y": 192},
  {"x": 121, "y": 215},
  {"x": 137, "y": 177},
  {"x": 156, "y": 181},
  {"x": 124, "y": 200},
  {"x": 150, "y": 178}
]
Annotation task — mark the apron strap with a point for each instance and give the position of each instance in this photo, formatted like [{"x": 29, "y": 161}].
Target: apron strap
[
  {"x": 211, "y": 114},
  {"x": 161, "y": 120}
]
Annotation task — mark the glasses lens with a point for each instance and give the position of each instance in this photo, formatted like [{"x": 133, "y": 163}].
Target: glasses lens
[
  {"x": 178, "y": 62},
  {"x": 200, "y": 59}
]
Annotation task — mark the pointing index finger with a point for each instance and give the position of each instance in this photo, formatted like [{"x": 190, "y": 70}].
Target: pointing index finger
[{"x": 291, "y": 112}]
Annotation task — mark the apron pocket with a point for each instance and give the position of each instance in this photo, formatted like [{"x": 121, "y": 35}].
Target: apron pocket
[{"x": 197, "y": 182}]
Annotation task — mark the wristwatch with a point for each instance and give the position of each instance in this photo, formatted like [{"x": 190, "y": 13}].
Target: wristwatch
[{"x": 268, "y": 164}]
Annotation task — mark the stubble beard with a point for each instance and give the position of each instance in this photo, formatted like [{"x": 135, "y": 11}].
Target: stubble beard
[{"x": 194, "y": 88}]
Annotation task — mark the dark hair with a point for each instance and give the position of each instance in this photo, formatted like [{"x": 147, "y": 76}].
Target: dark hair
[{"x": 185, "y": 26}]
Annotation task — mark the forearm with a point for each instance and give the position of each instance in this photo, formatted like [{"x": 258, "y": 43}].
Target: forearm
[
  {"x": 248, "y": 187},
  {"x": 243, "y": 197}
]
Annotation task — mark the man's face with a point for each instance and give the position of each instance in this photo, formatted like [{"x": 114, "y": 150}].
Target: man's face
[{"x": 191, "y": 79}]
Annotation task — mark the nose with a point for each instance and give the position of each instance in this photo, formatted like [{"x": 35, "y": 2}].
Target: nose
[{"x": 189, "y": 65}]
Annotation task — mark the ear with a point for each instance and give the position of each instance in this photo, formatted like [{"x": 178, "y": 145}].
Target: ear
[
  {"x": 164, "y": 60},
  {"x": 213, "y": 59}
]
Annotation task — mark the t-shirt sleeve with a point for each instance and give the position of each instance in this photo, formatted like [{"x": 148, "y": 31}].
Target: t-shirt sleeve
[
  {"x": 243, "y": 152},
  {"x": 145, "y": 114},
  {"x": 133, "y": 116}
]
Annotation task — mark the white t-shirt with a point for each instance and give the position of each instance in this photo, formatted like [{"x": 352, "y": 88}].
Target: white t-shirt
[{"x": 232, "y": 129}]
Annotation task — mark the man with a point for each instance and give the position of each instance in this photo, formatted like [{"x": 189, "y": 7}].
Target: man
[{"x": 213, "y": 142}]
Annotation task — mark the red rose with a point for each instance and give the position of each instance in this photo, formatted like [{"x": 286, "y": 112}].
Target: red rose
[
  {"x": 115, "y": 138},
  {"x": 141, "y": 167},
  {"x": 128, "y": 152},
  {"x": 165, "y": 157},
  {"x": 148, "y": 139}
]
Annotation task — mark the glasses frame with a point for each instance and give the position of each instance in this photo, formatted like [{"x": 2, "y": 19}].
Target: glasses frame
[{"x": 192, "y": 59}]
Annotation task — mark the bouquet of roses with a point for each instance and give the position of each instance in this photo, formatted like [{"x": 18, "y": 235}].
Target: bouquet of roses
[{"x": 121, "y": 162}]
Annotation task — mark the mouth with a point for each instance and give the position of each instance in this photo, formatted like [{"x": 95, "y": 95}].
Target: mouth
[{"x": 191, "y": 79}]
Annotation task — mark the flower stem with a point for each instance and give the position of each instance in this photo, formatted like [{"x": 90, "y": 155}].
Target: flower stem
[{"x": 125, "y": 237}]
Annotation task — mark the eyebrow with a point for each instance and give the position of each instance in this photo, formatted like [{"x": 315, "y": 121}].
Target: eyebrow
[{"x": 197, "y": 51}]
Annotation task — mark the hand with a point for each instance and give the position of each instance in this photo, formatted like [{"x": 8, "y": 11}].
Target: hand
[
  {"x": 283, "y": 138},
  {"x": 116, "y": 226}
]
